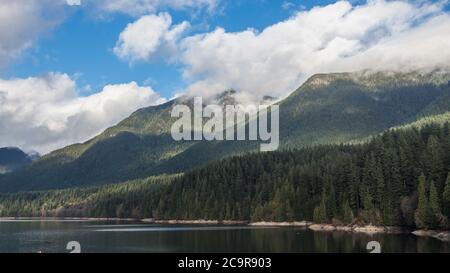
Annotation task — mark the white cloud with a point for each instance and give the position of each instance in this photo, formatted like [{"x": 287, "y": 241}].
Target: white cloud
[
  {"x": 148, "y": 37},
  {"x": 141, "y": 7},
  {"x": 73, "y": 2},
  {"x": 333, "y": 38},
  {"x": 22, "y": 22},
  {"x": 45, "y": 113}
]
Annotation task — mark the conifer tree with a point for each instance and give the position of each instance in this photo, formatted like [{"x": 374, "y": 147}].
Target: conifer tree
[
  {"x": 434, "y": 162},
  {"x": 347, "y": 213},
  {"x": 434, "y": 207},
  {"x": 379, "y": 183},
  {"x": 320, "y": 212},
  {"x": 434, "y": 199},
  {"x": 422, "y": 207},
  {"x": 446, "y": 196},
  {"x": 330, "y": 198}
]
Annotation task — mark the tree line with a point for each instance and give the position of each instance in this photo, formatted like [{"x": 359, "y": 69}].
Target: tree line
[{"x": 398, "y": 178}]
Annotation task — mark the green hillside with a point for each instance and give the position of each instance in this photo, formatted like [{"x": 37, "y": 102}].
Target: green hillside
[
  {"x": 326, "y": 109},
  {"x": 399, "y": 178}
]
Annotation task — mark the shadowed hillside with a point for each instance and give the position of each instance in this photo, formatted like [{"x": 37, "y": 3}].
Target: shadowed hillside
[{"x": 326, "y": 109}]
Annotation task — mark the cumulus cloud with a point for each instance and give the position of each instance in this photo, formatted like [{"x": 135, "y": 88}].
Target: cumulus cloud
[
  {"x": 148, "y": 37},
  {"x": 334, "y": 38},
  {"x": 141, "y": 7},
  {"x": 22, "y": 22},
  {"x": 45, "y": 113}
]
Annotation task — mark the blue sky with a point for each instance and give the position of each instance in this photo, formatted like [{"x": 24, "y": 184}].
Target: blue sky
[{"x": 82, "y": 45}]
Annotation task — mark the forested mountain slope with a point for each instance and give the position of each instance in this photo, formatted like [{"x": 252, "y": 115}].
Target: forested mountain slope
[
  {"x": 399, "y": 178},
  {"x": 327, "y": 109}
]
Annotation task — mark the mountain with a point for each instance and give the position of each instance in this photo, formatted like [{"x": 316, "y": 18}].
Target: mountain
[
  {"x": 335, "y": 108},
  {"x": 12, "y": 159},
  {"x": 326, "y": 109},
  {"x": 379, "y": 182}
]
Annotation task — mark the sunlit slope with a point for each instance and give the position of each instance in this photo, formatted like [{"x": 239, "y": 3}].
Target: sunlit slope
[{"x": 326, "y": 109}]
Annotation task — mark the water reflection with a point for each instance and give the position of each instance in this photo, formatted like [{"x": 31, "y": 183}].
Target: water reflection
[{"x": 52, "y": 236}]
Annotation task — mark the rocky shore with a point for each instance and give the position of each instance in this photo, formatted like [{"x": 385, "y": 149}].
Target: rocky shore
[
  {"x": 367, "y": 229},
  {"x": 440, "y": 235},
  {"x": 194, "y": 222},
  {"x": 281, "y": 224}
]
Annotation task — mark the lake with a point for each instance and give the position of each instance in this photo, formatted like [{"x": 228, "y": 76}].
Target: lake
[{"x": 94, "y": 236}]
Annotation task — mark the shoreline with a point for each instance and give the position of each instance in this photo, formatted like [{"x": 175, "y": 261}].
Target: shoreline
[
  {"x": 442, "y": 235},
  {"x": 366, "y": 229},
  {"x": 281, "y": 224},
  {"x": 64, "y": 219},
  {"x": 194, "y": 222}
]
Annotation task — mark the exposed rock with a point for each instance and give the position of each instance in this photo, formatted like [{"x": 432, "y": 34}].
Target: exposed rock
[
  {"x": 443, "y": 236},
  {"x": 344, "y": 228},
  {"x": 424, "y": 233},
  {"x": 322, "y": 227},
  {"x": 282, "y": 224},
  {"x": 187, "y": 222},
  {"x": 440, "y": 235},
  {"x": 370, "y": 229}
]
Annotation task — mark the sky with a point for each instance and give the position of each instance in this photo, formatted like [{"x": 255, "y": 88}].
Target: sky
[
  {"x": 71, "y": 68},
  {"x": 83, "y": 44}
]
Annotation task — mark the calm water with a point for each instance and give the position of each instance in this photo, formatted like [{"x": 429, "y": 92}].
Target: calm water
[{"x": 53, "y": 236}]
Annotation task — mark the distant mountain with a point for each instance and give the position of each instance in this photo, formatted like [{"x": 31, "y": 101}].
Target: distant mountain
[
  {"x": 12, "y": 158},
  {"x": 326, "y": 109}
]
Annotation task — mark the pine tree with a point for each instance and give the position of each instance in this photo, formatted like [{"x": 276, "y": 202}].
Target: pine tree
[
  {"x": 446, "y": 196},
  {"x": 352, "y": 182},
  {"x": 434, "y": 199},
  {"x": 422, "y": 207},
  {"x": 435, "y": 162},
  {"x": 434, "y": 207},
  {"x": 320, "y": 212},
  {"x": 379, "y": 183},
  {"x": 330, "y": 198},
  {"x": 366, "y": 196},
  {"x": 347, "y": 213}
]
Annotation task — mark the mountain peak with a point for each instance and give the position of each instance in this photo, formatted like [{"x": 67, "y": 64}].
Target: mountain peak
[
  {"x": 227, "y": 97},
  {"x": 380, "y": 79},
  {"x": 13, "y": 158}
]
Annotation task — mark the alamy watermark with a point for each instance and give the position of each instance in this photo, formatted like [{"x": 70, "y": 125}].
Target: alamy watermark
[
  {"x": 74, "y": 247},
  {"x": 229, "y": 122}
]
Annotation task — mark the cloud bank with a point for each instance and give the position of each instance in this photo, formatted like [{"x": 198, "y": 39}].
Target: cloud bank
[
  {"x": 339, "y": 37},
  {"x": 46, "y": 113},
  {"x": 384, "y": 35}
]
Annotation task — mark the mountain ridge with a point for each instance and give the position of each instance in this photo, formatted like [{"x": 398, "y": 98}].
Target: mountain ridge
[
  {"x": 13, "y": 158},
  {"x": 326, "y": 109}
]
